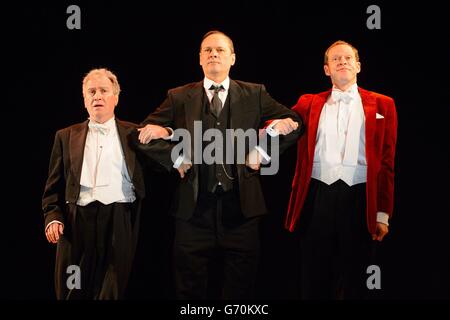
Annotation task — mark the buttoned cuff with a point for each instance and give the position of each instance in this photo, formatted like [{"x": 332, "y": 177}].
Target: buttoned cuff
[
  {"x": 171, "y": 133},
  {"x": 271, "y": 131},
  {"x": 383, "y": 217},
  {"x": 263, "y": 153},
  {"x": 52, "y": 222},
  {"x": 178, "y": 162}
]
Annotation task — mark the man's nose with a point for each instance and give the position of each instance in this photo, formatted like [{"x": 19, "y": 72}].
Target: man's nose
[
  {"x": 342, "y": 60},
  {"x": 97, "y": 95},
  {"x": 213, "y": 53}
]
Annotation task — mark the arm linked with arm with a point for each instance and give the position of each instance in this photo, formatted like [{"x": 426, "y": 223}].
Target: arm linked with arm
[
  {"x": 158, "y": 150},
  {"x": 270, "y": 110}
]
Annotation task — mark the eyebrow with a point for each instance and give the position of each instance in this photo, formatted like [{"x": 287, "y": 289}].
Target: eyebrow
[
  {"x": 95, "y": 88},
  {"x": 210, "y": 47}
]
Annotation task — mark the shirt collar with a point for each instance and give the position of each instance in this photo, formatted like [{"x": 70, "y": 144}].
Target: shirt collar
[
  {"x": 207, "y": 83},
  {"x": 110, "y": 124},
  {"x": 352, "y": 91}
]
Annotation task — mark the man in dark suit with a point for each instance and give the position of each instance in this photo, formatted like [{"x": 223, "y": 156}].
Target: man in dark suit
[
  {"x": 92, "y": 197},
  {"x": 343, "y": 189},
  {"x": 218, "y": 205}
]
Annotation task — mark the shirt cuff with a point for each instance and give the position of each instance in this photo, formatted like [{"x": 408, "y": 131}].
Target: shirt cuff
[
  {"x": 52, "y": 222},
  {"x": 178, "y": 162},
  {"x": 171, "y": 133},
  {"x": 271, "y": 131},
  {"x": 263, "y": 153},
  {"x": 383, "y": 217}
]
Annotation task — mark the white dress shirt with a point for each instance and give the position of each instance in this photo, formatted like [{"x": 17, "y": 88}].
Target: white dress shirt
[
  {"x": 340, "y": 141},
  {"x": 104, "y": 174},
  {"x": 340, "y": 151}
]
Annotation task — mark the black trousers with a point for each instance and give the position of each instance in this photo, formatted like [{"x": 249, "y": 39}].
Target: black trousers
[
  {"x": 98, "y": 239},
  {"x": 217, "y": 235},
  {"x": 335, "y": 244}
]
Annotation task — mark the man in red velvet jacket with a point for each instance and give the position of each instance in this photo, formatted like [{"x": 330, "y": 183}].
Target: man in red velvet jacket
[{"x": 343, "y": 189}]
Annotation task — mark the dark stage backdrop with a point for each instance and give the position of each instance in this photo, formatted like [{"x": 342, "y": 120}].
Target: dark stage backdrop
[{"x": 153, "y": 48}]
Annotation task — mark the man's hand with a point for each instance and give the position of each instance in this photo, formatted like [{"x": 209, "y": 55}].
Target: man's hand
[
  {"x": 285, "y": 126},
  {"x": 183, "y": 169},
  {"x": 253, "y": 160},
  {"x": 54, "y": 231},
  {"x": 151, "y": 131},
  {"x": 382, "y": 230}
]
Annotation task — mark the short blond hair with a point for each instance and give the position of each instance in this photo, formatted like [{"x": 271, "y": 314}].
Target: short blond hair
[
  {"x": 337, "y": 43},
  {"x": 109, "y": 74},
  {"x": 230, "y": 42}
]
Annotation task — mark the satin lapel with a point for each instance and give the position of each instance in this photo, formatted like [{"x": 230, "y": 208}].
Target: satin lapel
[
  {"x": 235, "y": 95},
  {"x": 370, "y": 107},
  {"x": 77, "y": 142},
  {"x": 130, "y": 156},
  {"x": 317, "y": 104}
]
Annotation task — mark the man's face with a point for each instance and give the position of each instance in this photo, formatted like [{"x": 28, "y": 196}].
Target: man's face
[
  {"x": 99, "y": 98},
  {"x": 216, "y": 57},
  {"x": 342, "y": 66}
]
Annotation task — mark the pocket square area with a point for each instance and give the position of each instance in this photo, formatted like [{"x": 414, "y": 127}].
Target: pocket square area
[{"x": 379, "y": 116}]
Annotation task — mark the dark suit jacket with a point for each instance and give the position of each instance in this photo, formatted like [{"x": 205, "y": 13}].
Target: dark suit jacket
[
  {"x": 250, "y": 107},
  {"x": 63, "y": 183},
  {"x": 381, "y": 137}
]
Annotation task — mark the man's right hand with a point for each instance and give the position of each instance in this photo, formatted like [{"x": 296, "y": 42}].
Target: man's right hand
[
  {"x": 54, "y": 231},
  {"x": 183, "y": 169},
  {"x": 151, "y": 131}
]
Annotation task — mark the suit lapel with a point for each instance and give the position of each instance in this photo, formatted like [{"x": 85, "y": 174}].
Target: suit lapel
[
  {"x": 235, "y": 95},
  {"x": 77, "y": 141},
  {"x": 193, "y": 112},
  {"x": 193, "y": 106},
  {"x": 317, "y": 105},
  {"x": 130, "y": 156},
  {"x": 369, "y": 105}
]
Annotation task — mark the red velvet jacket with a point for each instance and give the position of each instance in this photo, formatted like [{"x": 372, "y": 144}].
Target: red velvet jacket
[{"x": 381, "y": 136}]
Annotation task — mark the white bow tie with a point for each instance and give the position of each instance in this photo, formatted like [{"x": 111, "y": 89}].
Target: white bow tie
[
  {"x": 103, "y": 129},
  {"x": 341, "y": 96}
]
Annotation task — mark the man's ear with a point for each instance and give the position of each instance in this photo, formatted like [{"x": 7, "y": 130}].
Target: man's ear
[
  {"x": 358, "y": 67},
  {"x": 326, "y": 68},
  {"x": 233, "y": 59}
]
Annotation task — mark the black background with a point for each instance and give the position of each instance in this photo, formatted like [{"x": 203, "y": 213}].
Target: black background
[{"x": 154, "y": 47}]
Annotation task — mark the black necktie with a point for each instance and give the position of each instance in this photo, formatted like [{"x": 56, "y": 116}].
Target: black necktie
[{"x": 216, "y": 103}]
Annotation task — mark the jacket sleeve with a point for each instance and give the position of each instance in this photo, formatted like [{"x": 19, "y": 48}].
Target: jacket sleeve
[
  {"x": 271, "y": 109},
  {"x": 385, "y": 183},
  {"x": 54, "y": 192},
  {"x": 158, "y": 151}
]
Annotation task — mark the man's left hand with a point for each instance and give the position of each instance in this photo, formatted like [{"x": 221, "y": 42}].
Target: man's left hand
[
  {"x": 151, "y": 131},
  {"x": 382, "y": 230},
  {"x": 285, "y": 126}
]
